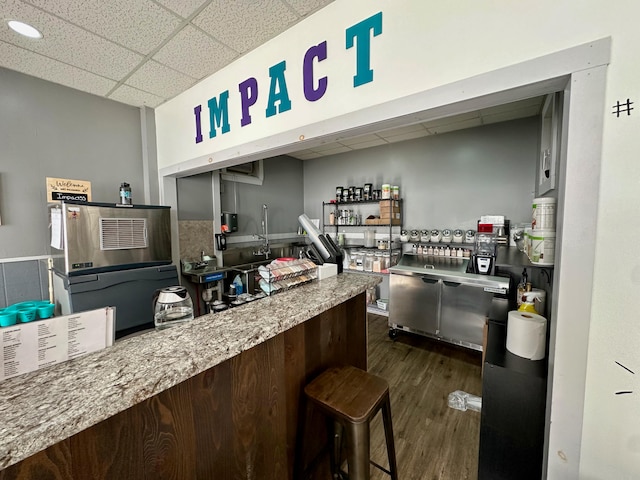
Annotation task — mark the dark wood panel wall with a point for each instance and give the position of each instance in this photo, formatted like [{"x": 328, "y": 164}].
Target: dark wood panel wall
[{"x": 238, "y": 420}]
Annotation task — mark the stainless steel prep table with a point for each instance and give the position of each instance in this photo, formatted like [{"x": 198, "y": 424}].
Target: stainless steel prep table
[{"x": 436, "y": 297}]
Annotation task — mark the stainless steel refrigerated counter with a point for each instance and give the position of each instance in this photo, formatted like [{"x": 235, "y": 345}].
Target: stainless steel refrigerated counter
[{"x": 438, "y": 297}]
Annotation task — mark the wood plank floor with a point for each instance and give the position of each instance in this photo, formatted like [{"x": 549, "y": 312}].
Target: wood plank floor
[{"x": 433, "y": 441}]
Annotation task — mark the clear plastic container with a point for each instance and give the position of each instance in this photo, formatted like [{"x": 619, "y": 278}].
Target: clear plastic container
[
  {"x": 485, "y": 243},
  {"x": 368, "y": 262},
  {"x": 377, "y": 262},
  {"x": 359, "y": 259},
  {"x": 386, "y": 261}
]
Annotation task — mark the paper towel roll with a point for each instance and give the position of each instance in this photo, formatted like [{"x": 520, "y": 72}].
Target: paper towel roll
[{"x": 527, "y": 335}]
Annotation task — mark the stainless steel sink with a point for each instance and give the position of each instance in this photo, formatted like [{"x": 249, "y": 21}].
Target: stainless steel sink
[
  {"x": 247, "y": 272},
  {"x": 203, "y": 272}
]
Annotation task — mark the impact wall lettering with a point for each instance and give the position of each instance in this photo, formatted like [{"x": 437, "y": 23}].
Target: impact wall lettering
[{"x": 358, "y": 37}]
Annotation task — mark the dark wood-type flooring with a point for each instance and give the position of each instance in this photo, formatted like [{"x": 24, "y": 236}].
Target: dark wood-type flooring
[{"x": 432, "y": 440}]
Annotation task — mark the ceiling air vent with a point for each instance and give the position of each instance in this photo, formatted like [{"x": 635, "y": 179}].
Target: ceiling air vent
[
  {"x": 123, "y": 233},
  {"x": 251, "y": 172}
]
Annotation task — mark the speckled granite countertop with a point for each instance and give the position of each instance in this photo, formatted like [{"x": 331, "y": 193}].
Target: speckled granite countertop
[{"x": 42, "y": 408}]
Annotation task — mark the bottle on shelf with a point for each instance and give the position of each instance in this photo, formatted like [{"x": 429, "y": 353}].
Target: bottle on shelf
[{"x": 522, "y": 287}]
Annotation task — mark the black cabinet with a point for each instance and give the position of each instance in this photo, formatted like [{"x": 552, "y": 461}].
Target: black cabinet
[{"x": 513, "y": 412}]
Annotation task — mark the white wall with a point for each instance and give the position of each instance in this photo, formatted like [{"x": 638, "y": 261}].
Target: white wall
[{"x": 426, "y": 45}]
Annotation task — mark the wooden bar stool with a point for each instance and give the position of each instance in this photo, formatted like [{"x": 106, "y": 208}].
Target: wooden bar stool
[{"x": 351, "y": 397}]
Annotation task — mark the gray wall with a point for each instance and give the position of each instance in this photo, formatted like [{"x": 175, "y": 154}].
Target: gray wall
[
  {"x": 47, "y": 130},
  {"x": 195, "y": 197},
  {"x": 447, "y": 180},
  {"x": 282, "y": 191}
]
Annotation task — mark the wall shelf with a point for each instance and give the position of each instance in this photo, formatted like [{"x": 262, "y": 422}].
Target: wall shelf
[{"x": 512, "y": 257}]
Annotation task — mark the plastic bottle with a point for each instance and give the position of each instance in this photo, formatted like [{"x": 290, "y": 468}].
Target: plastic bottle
[
  {"x": 528, "y": 305},
  {"x": 522, "y": 287},
  {"x": 125, "y": 194},
  {"x": 237, "y": 281},
  {"x": 464, "y": 401}
]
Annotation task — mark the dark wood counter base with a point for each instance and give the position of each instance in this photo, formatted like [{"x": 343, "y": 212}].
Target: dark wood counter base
[{"x": 236, "y": 420}]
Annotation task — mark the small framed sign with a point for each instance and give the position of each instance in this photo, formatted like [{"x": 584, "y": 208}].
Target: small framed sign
[{"x": 59, "y": 189}]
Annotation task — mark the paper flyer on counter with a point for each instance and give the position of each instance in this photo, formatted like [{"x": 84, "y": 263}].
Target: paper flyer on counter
[{"x": 30, "y": 346}]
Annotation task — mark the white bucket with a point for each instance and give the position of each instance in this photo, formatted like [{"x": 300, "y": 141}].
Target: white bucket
[
  {"x": 527, "y": 241},
  {"x": 543, "y": 247},
  {"x": 544, "y": 214}
]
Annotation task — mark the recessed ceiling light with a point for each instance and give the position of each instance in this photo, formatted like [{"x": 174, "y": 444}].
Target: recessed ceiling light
[{"x": 24, "y": 29}]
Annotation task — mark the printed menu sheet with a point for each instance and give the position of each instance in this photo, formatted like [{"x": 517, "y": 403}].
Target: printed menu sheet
[{"x": 30, "y": 346}]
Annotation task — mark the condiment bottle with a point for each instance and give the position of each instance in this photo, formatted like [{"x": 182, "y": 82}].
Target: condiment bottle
[
  {"x": 521, "y": 288},
  {"x": 125, "y": 194}
]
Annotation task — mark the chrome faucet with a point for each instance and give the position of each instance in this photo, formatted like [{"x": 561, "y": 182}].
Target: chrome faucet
[{"x": 264, "y": 248}]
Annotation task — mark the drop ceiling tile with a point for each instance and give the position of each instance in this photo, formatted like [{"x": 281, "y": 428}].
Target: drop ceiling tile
[
  {"x": 140, "y": 25},
  {"x": 453, "y": 119},
  {"x": 229, "y": 22},
  {"x": 511, "y": 115},
  {"x": 507, "y": 107},
  {"x": 155, "y": 78},
  {"x": 16, "y": 58},
  {"x": 205, "y": 55},
  {"x": 305, "y": 156},
  {"x": 406, "y": 136},
  {"x": 68, "y": 43},
  {"x": 332, "y": 149},
  {"x": 402, "y": 130},
  {"x": 372, "y": 143},
  {"x": 305, "y": 7},
  {"x": 304, "y": 152},
  {"x": 361, "y": 139},
  {"x": 135, "y": 97},
  {"x": 327, "y": 146},
  {"x": 473, "y": 122},
  {"x": 184, "y": 8}
]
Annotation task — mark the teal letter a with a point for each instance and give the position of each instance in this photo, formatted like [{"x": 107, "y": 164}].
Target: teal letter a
[{"x": 276, "y": 73}]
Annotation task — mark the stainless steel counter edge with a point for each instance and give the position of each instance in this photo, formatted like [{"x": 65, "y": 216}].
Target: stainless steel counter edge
[
  {"x": 476, "y": 279},
  {"x": 42, "y": 408}
]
